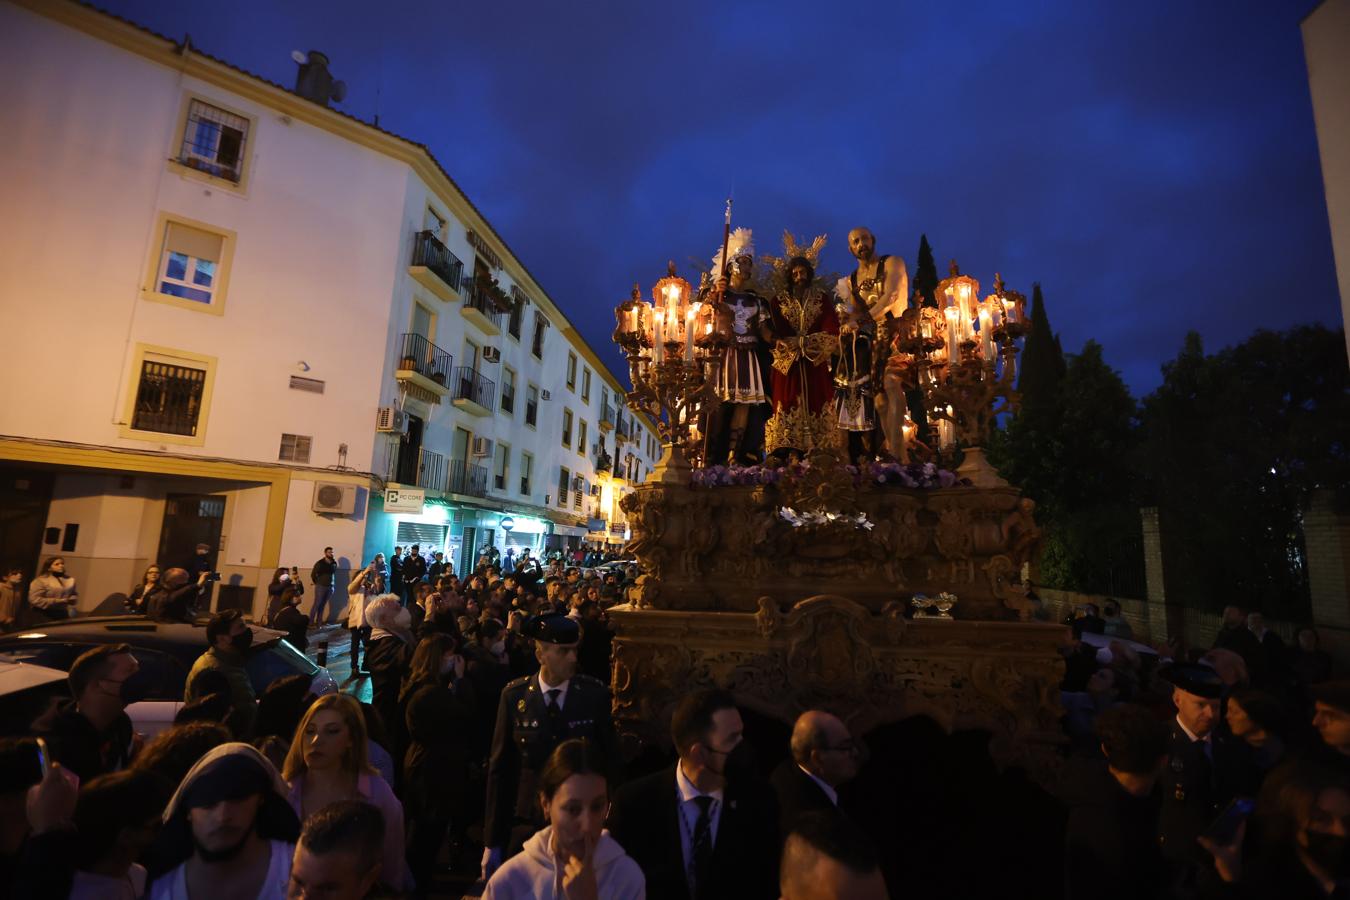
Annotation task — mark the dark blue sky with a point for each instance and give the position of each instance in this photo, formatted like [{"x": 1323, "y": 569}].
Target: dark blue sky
[{"x": 1153, "y": 164}]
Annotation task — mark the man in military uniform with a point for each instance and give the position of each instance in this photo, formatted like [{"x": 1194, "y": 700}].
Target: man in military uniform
[
  {"x": 1206, "y": 768},
  {"x": 535, "y": 715}
]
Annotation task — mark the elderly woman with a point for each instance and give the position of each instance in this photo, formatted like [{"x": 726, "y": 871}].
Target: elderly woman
[{"x": 52, "y": 594}]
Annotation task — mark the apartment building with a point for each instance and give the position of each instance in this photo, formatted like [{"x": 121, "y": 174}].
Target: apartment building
[{"x": 237, "y": 316}]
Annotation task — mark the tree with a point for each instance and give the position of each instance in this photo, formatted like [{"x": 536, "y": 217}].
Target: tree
[
  {"x": 925, "y": 274},
  {"x": 1232, "y": 446}
]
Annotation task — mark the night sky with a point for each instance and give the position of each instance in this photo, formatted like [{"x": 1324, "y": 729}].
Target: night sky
[{"x": 1152, "y": 164}]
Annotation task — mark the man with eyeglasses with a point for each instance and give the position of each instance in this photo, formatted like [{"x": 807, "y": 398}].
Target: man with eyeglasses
[
  {"x": 824, "y": 756},
  {"x": 91, "y": 734}
]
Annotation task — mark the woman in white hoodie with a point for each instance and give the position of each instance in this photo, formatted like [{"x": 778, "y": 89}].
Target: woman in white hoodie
[{"x": 573, "y": 857}]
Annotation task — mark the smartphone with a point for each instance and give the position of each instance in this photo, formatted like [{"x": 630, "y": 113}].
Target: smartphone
[
  {"x": 1223, "y": 829},
  {"x": 44, "y": 757}
]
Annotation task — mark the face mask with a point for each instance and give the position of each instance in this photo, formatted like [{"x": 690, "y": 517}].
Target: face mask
[
  {"x": 498, "y": 648},
  {"x": 136, "y": 688},
  {"x": 740, "y": 762},
  {"x": 447, "y": 666},
  {"x": 403, "y": 620},
  {"x": 1331, "y": 852},
  {"x": 285, "y": 576},
  {"x": 242, "y": 641}
]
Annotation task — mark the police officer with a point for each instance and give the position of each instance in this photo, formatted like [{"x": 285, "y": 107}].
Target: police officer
[
  {"x": 535, "y": 715},
  {"x": 1206, "y": 768}
]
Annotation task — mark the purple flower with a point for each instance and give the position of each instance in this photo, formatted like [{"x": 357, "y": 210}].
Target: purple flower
[{"x": 946, "y": 479}]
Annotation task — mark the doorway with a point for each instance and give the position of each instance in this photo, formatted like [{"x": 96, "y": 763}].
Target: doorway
[
  {"x": 189, "y": 520},
  {"x": 409, "y": 452},
  {"x": 25, "y": 496}
]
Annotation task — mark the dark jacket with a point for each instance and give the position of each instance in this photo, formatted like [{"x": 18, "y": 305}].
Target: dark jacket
[
  {"x": 414, "y": 569},
  {"x": 321, "y": 573},
  {"x": 80, "y": 747},
  {"x": 524, "y": 738},
  {"x": 645, "y": 820},
  {"x": 439, "y": 723},
  {"x": 295, "y": 623},
  {"x": 797, "y": 795},
  {"x": 1196, "y": 786},
  {"x": 1245, "y": 644},
  {"x": 176, "y": 604},
  {"x": 1111, "y": 848}
]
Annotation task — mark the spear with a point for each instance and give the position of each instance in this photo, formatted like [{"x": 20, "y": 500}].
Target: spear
[{"x": 726, "y": 243}]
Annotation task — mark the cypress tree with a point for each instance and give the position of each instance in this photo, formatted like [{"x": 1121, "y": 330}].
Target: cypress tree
[
  {"x": 925, "y": 274},
  {"x": 1043, "y": 365}
]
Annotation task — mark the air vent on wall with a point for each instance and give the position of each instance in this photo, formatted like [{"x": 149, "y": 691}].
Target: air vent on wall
[{"x": 313, "y": 385}]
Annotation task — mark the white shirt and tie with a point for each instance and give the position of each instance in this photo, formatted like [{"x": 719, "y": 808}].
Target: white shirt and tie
[
  {"x": 560, "y": 688},
  {"x": 689, "y": 809}
]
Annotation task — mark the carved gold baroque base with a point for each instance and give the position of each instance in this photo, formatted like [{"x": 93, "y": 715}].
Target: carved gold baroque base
[{"x": 829, "y": 652}]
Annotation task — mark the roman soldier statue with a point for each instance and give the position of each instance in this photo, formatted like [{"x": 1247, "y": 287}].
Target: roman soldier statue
[
  {"x": 872, "y": 299},
  {"x": 736, "y": 432},
  {"x": 806, "y": 337}
]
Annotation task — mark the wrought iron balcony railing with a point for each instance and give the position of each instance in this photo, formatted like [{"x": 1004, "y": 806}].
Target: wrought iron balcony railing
[
  {"x": 469, "y": 385},
  {"x": 420, "y": 355},
  {"x": 428, "y": 251},
  {"x": 467, "y": 478}
]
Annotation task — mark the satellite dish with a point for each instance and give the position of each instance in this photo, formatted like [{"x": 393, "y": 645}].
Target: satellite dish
[
  {"x": 300, "y": 56},
  {"x": 339, "y": 91}
]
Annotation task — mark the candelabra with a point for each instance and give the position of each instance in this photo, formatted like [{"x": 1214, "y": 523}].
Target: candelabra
[
  {"x": 963, "y": 357},
  {"x": 674, "y": 346}
]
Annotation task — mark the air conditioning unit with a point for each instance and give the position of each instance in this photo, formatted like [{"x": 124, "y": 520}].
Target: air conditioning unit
[
  {"x": 388, "y": 418},
  {"x": 491, "y": 354},
  {"x": 546, "y": 394},
  {"x": 482, "y": 446},
  {"x": 334, "y": 499},
  {"x": 578, "y": 482}
]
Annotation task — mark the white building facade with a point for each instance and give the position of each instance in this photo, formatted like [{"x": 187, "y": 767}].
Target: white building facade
[{"x": 236, "y": 316}]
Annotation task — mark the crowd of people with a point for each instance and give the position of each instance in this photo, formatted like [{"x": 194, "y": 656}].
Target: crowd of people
[
  {"x": 1204, "y": 772},
  {"x": 488, "y": 749}
]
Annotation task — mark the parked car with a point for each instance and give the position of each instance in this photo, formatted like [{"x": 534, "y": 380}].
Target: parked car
[
  {"x": 26, "y": 692},
  {"x": 166, "y": 652}
]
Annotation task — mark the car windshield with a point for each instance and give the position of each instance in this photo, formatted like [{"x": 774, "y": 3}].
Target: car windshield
[{"x": 276, "y": 659}]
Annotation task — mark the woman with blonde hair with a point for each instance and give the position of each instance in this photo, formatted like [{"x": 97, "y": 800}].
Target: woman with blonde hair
[{"x": 329, "y": 762}]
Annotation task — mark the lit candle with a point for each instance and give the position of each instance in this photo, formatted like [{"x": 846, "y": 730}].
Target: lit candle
[
  {"x": 689, "y": 332},
  {"x": 908, "y": 431},
  {"x": 658, "y": 336},
  {"x": 953, "y": 334},
  {"x": 987, "y": 335}
]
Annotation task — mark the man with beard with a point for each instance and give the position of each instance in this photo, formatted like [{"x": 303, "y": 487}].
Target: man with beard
[
  {"x": 872, "y": 300},
  {"x": 806, "y": 333},
  {"x": 736, "y": 432},
  {"x": 228, "y": 831},
  {"x": 230, "y": 638},
  {"x": 706, "y": 827}
]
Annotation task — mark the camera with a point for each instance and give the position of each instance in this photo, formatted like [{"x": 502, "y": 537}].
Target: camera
[{"x": 214, "y": 576}]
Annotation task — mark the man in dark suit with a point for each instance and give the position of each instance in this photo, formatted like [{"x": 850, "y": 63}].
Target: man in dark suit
[
  {"x": 1206, "y": 768},
  {"x": 414, "y": 570},
  {"x": 534, "y": 715},
  {"x": 824, "y": 756},
  {"x": 706, "y": 827}
]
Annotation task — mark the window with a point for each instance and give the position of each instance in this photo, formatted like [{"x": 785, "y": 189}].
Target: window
[
  {"x": 581, "y": 437},
  {"x": 508, "y": 390},
  {"x": 168, "y": 395},
  {"x": 517, "y": 313},
  {"x": 564, "y": 484},
  {"x": 531, "y": 405},
  {"x": 526, "y": 467},
  {"x": 571, "y": 371},
  {"x": 501, "y": 469},
  {"x": 585, "y": 385},
  {"x": 295, "y": 448},
  {"x": 213, "y": 141},
  {"x": 190, "y": 265},
  {"x": 567, "y": 428},
  {"x": 537, "y": 346},
  {"x": 434, "y": 223}
]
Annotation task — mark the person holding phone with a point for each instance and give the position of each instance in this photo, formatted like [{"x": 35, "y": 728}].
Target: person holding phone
[{"x": 91, "y": 733}]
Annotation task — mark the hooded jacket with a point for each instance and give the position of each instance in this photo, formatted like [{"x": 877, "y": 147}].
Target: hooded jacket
[
  {"x": 533, "y": 873},
  {"x": 276, "y": 822}
]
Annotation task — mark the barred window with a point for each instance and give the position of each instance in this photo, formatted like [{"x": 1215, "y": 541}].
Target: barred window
[
  {"x": 168, "y": 398},
  {"x": 295, "y": 448},
  {"x": 213, "y": 141}
]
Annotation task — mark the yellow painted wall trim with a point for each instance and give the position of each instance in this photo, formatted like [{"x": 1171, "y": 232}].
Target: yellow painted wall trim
[
  {"x": 416, "y": 156},
  {"x": 153, "y": 265}
]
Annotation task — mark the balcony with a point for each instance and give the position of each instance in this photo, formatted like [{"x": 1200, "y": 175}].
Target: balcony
[
  {"x": 423, "y": 365},
  {"x": 467, "y": 478},
  {"x": 481, "y": 307},
  {"x": 473, "y": 393},
  {"x": 606, "y": 418},
  {"x": 435, "y": 268},
  {"x": 415, "y": 467}
]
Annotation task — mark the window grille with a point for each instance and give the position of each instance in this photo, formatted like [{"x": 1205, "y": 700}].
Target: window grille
[
  {"x": 213, "y": 141},
  {"x": 168, "y": 398},
  {"x": 295, "y": 448}
]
